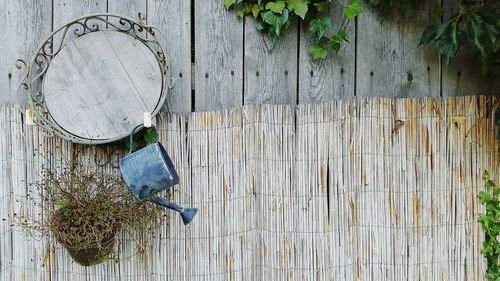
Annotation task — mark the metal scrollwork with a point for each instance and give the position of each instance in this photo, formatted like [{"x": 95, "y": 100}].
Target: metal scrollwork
[{"x": 37, "y": 67}]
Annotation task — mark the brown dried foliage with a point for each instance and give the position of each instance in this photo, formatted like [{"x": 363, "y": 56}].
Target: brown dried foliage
[{"x": 87, "y": 208}]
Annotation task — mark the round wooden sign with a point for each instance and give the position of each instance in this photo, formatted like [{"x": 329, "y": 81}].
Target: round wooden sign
[{"x": 99, "y": 85}]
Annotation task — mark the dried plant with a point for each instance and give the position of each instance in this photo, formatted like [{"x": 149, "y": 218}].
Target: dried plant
[{"x": 85, "y": 209}]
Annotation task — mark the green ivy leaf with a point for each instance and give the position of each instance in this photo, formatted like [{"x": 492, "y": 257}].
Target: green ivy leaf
[
  {"x": 321, "y": 6},
  {"x": 337, "y": 39},
  {"x": 484, "y": 197},
  {"x": 319, "y": 26},
  {"x": 150, "y": 136},
  {"x": 299, "y": 7},
  {"x": 276, "y": 7},
  {"x": 274, "y": 38},
  {"x": 277, "y": 21},
  {"x": 240, "y": 13},
  {"x": 317, "y": 52},
  {"x": 229, "y": 3},
  {"x": 256, "y": 8},
  {"x": 259, "y": 24},
  {"x": 353, "y": 9},
  {"x": 340, "y": 36}
]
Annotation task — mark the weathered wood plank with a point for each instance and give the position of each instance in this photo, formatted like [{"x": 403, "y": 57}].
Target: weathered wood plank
[
  {"x": 389, "y": 63},
  {"x": 270, "y": 75},
  {"x": 218, "y": 57},
  {"x": 463, "y": 75},
  {"x": 333, "y": 78},
  {"x": 129, "y": 8},
  {"x": 172, "y": 18},
  {"x": 25, "y": 24},
  {"x": 66, "y": 10}
]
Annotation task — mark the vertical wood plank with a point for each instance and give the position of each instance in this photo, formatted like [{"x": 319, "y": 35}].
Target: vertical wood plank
[
  {"x": 270, "y": 75},
  {"x": 218, "y": 53},
  {"x": 389, "y": 61},
  {"x": 333, "y": 78},
  {"x": 463, "y": 75},
  {"x": 24, "y": 25},
  {"x": 129, "y": 8},
  {"x": 66, "y": 10},
  {"x": 172, "y": 18}
]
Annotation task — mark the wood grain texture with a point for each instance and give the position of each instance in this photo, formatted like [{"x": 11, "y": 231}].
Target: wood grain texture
[
  {"x": 218, "y": 53},
  {"x": 389, "y": 61},
  {"x": 66, "y": 10},
  {"x": 100, "y": 84},
  {"x": 270, "y": 74},
  {"x": 24, "y": 25},
  {"x": 129, "y": 8},
  {"x": 463, "y": 75},
  {"x": 172, "y": 18},
  {"x": 333, "y": 78}
]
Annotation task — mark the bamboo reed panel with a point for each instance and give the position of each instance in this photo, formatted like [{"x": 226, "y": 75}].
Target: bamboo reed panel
[{"x": 356, "y": 189}]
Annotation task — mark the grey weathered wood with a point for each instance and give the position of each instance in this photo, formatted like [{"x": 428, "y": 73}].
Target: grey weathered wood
[
  {"x": 218, "y": 53},
  {"x": 463, "y": 75},
  {"x": 172, "y": 18},
  {"x": 66, "y": 10},
  {"x": 389, "y": 63},
  {"x": 24, "y": 24},
  {"x": 270, "y": 75},
  {"x": 333, "y": 78},
  {"x": 129, "y": 8},
  {"x": 99, "y": 85}
]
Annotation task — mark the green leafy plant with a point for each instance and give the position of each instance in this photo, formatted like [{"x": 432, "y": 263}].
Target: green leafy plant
[
  {"x": 477, "y": 22},
  {"x": 274, "y": 17},
  {"x": 491, "y": 226},
  {"x": 143, "y": 138}
]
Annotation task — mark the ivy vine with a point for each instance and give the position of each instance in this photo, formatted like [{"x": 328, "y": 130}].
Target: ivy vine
[
  {"x": 491, "y": 227},
  {"x": 274, "y": 17},
  {"x": 477, "y": 22}
]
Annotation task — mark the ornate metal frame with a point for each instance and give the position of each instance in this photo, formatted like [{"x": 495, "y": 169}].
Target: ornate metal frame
[{"x": 36, "y": 69}]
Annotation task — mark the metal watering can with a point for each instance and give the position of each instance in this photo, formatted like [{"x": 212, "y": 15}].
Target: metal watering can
[{"x": 148, "y": 171}]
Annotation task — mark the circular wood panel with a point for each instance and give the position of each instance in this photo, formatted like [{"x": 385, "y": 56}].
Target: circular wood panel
[{"x": 100, "y": 84}]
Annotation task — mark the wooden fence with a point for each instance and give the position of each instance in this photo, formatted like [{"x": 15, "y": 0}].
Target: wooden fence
[
  {"x": 356, "y": 189},
  {"x": 220, "y": 62}
]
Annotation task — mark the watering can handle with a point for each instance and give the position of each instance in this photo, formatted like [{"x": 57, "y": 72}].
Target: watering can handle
[{"x": 131, "y": 138}]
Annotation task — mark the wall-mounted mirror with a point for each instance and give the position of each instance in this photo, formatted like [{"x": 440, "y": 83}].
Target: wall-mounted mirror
[{"x": 92, "y": 79}]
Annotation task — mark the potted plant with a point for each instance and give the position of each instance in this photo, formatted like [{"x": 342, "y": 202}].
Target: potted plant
[{"x": 85, "y": 211}]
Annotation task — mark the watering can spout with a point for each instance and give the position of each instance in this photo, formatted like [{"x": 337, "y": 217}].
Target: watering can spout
[{"x": 187, "y": 214}]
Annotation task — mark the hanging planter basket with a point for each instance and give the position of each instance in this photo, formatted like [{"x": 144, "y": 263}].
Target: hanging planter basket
[{"x": 92, "y": 255}]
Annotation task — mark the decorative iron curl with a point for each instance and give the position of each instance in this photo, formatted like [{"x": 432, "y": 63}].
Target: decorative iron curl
[{"x": 37, "y": 68}]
